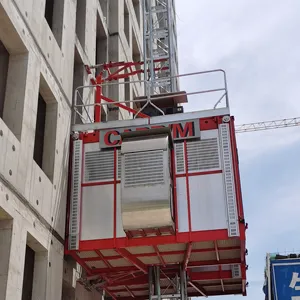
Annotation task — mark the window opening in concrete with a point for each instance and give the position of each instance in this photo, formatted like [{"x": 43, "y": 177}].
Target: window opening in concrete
[
  {"x": 104, "y": 8},
  {"x": 40, "y": 132},
  {"x": 81, "y": 21},
  {"x": 4, "y": 60},
  {"x": 127, "y": 91},
  {"x": 13, "y": 68},
  {"x": 137, "y": 10},
  {"x": 6, "y": 225},
  {"x": 13, "y": 73},
  {"x": 54, "y": 14},
  {"x": 101, "y": 43},
  {"x": 136, "y": 55},
  {"x": 28, "y": 274},
  {"x": 45, "y": 132},
  {"x": 35, "y": 270},
  {"x": 78, "y": 80},
  {"x": 126, "y": 23}
]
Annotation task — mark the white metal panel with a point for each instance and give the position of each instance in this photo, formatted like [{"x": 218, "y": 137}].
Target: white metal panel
[
  {"x": 161, "y": 143},
  {"x": 233, "y": 225},
  {"x": 183, "y": 224},
  {"x": 208, "y": 207},
  {"x": 153, "y": 120},
  {"x": 97, "y": 212},
  {"x": 91, "y": 147},
  {"x": 209, "y": 134},
  {"x": 75, "y": 195},
  {"x": 120, "y": 231}
]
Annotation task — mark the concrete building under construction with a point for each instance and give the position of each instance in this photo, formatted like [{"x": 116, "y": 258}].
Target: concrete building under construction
[
  {"x": 44, "y": 46},
  {"x": 107, "y": 188}
]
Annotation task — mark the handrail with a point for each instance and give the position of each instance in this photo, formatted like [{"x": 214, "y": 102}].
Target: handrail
[{"x": 149, "y": 98}]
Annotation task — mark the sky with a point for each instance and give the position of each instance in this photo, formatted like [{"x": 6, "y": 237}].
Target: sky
[{"x": 257, "y": 43}]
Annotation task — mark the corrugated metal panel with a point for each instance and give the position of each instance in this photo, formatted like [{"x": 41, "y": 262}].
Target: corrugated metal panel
[
  {"x": 172, "y": 247},
  {"x": 99, "y": 166},
  {"x": 141, "y": 250},
  {"x": 75, "y": 195},
  {"x": 214, "y": 288},
  {"x": 141, "y": 293},
  {"x": 87, "y": 254},
  {"x": 149, "y": 260},
  {"x": 96, "y": 264},
  {"x": 203, "y": 256},
  {"x": 203, "y": 245},
  {"x": 173, "y": 258},
  {"x": 228, "y": 243},
  {"x": 233, "y": 287},
  {"x": 203, "y": 155},
  {"x": 137, "y": 286},
  {"x": 233, "y": 226},
  {"x": 123, "y": 294},
  {"x": 232, "y": 281},
  {"x": 205, "y": 282},
  {"x": 109, "y": 252},
  {"x": 228, "y": 254},
  {"x": 121, "y": 262},
  {"x": 179, "y": 158},
  {"x": 144, "y": 168}
]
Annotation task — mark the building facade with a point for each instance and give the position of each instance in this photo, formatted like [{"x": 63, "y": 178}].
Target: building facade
[{"x": 44, "y": 45}]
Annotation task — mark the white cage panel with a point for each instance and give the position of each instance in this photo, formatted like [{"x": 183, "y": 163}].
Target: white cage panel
[
  {"x": 97, "y": 212},
  {"x": 182, "y": 206},
  {"x": 208, "y": 207},
  {"x": 119, "y": 231}
]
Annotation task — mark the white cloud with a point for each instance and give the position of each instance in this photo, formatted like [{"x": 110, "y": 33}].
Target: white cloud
[
  {"x": 254, "y": 145},
  {"x": 257, "y": 44}
]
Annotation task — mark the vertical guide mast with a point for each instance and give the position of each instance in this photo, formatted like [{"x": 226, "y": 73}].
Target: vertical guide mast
[{"x": 160, "y": 44}]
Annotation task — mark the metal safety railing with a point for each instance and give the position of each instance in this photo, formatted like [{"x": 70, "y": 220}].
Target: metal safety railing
[{"x": 84, "y": 105}]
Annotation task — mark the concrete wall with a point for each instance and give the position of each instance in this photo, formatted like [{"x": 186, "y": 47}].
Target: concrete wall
[{"x": 44, "y": 60}]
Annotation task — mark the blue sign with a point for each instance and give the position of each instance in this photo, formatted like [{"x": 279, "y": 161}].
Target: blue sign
[{"x": 285, "y": 276}]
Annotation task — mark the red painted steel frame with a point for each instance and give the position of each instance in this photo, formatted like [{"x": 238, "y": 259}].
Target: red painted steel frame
[
  {"x": 133, "y": 275},
  {"x": 117, "y": 74}
]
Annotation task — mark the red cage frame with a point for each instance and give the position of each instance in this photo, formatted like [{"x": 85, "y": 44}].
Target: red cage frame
[{"x": 118, "y": 279}]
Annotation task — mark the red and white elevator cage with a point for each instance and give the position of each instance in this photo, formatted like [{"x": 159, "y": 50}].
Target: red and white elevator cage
[{"x": 155, "y": 206}]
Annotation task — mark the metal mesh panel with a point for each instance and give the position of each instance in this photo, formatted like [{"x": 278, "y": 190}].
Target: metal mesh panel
[
  {"x": 233, "y": 228},
  {"x": 143, "y": 168},
  {"x": 99, "y": 165},
  {"x": 236, "y": 271},
  {"x": 203, "y": 155},
  {"x": 179, "y": 157},
  {"x": 75, "y": 195},
  {"x": 119, "y": 165}
]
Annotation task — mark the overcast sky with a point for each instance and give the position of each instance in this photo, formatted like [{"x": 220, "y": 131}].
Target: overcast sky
[{"x": 257, "y": 43}]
